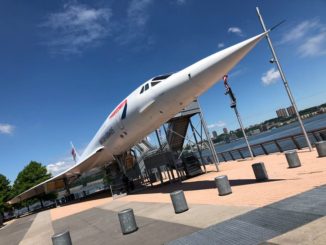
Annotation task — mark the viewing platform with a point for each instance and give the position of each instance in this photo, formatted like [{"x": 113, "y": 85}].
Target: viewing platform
[{"x": 289, "y": 208}]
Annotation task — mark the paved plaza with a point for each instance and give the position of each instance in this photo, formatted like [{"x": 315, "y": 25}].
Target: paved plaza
[{"x": 290, "y": 208}]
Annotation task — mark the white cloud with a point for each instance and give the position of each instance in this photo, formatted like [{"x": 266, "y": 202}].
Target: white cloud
[
  {"x": 314, "y": 46},
  {"x": 6, "y": 128},
  {"x": 77, "y": 27},
  {"x": 219, "y": 124},
  {"x": 300, "y": 30},
  {"x": 136, "y": 20},
  {"x": 270, "y": 77},
  {"x": 137, "y": 12},
  {"x": 220, "y": 45},
  {"x": 59, "y": 167},
  {"x": 181, "y": 2},
  {"x": 309, "y": 36},
  {"x": 235, "y": 30},
  {"x": 64, "y": 163}
]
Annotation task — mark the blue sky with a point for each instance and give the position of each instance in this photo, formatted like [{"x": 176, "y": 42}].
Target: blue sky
[{"x": 64, "y": 65}]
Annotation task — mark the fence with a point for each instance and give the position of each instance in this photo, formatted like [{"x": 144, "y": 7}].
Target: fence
[{"x": 282, "y": 144}]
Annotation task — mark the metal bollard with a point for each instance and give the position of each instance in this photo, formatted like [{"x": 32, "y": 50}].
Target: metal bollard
[
  {"x": 293, "y": 159},
  {"x": 260, "y": 171},
  {"x": 127, "y": 221},
  {"x": 179, "y": 201},
  {"x": 321, "y": 148},
  {"x": 61, "y": 238},
  {"x": 223, "y": 185}
]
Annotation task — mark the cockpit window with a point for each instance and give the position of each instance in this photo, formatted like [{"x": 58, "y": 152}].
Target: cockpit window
[
  {"x": 161, "y": 77},
  {"x": 155, "y": 83},
  {"x": 146, "y": 86}
]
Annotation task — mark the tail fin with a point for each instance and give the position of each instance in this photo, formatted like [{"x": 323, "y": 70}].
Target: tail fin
[{"x": 74, "y": 153}]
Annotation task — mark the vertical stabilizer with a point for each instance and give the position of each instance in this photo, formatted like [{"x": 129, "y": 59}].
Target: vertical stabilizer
[{"x": 74, "y": 153}]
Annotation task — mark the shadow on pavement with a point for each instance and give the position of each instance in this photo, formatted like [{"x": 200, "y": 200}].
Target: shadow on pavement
[{"x": 197, "y": 185}]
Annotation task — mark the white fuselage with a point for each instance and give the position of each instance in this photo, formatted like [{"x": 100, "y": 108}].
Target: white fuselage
[
  {"x": 145, "y": 109},
  {"x": 149, "y": 106}
]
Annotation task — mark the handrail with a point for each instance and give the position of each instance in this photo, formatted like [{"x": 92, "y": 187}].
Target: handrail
[{"x": 262, "y": 145}]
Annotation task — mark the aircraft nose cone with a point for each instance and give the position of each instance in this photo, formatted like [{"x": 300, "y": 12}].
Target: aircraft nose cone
[
  {"x": 208, "y": 71},
  {"x": 229, "y": 57}
]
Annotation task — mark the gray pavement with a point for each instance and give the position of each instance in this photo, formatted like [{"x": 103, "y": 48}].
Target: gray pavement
[
  {"x": 298, "y": 219},
  {"x": 198, "y": 215},
  {"x": 98, "y": 226},
  {"x": 40, "y": 232},
  {"x": 264, "y": 223},
  {"x": 13, "y": 233}
]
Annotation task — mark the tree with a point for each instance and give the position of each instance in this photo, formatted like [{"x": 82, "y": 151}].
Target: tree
[
  {"x": 33, "y": 174},
  {"x": 5, "y": 190}
]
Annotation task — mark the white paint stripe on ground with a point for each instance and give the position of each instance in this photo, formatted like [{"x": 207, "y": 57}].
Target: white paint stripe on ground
[{"x": 41, "y": 230}]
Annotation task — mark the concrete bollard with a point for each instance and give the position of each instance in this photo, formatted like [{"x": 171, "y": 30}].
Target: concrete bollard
[
  {"x": 322, "y": 135},
  {"x": 223, "y": 185},
  {"x": 61, "y": 238},
  {"x": 260, "y": 171},
  {"x": 179, "y": 201},
  {"x": 293, "y": 159},
  {"x": 321, "y": 148},
  {"x": 127, "y": 221}
]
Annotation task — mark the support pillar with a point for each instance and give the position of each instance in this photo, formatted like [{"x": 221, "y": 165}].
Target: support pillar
[
  {"x": 158, "y": 139},
  {"x": 41, "y": 201},
  {"x": 209, "y": 140},
  {"x": 65, "y": 180},
  {"x": 199, "y": 150},
  {"x": 120, "y": 163},
  {"x": 174, "y": 163}
]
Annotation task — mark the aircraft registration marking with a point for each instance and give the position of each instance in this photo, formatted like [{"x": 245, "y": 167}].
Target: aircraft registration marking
[{"x": 107, "y": 135}]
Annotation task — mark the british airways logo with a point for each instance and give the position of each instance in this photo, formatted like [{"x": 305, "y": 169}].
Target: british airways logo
[{"x": 123, "y": 105}]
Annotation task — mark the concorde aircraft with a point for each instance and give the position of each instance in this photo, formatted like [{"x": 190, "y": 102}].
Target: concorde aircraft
[{"x": 145, "y": 109}]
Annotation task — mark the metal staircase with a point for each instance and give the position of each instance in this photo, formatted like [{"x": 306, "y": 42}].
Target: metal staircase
[
  {"x": 177, "y": 130},
  {"x": 191, "y": 165},
  {"x": 178, "y": 126}
]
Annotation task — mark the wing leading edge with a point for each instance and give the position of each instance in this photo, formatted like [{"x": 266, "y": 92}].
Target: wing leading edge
[{"x": 58, "y": 182}]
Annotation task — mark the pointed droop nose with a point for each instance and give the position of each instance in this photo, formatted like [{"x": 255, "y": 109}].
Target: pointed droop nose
[{"x": 211, "y": 69}]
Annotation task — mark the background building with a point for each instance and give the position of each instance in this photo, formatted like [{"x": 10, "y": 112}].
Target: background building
[
  {"x": 281, "y": 112},
  {"x": 214, "y": 134},
  {"x": 290, "y": 110},
  {"x": 225, "y": 130}
]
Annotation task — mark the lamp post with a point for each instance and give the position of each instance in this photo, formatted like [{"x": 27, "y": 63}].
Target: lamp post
[{"x": 285, "y": 82}]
